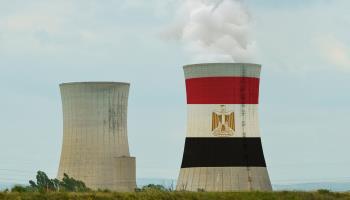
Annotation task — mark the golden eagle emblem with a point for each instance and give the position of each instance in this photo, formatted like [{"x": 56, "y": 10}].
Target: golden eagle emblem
[{"x": 223, "y": 122}]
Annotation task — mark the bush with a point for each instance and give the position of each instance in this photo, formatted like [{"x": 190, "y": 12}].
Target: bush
[
  {"x": 104, "y": 190},
  {"x": 19, "y": 188},
  {"x": 154, "y": 187},
  {"x": 323, "y": 191}
]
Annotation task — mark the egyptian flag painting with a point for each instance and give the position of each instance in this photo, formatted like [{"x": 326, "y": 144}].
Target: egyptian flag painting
[{"x": 223, "y": 149}]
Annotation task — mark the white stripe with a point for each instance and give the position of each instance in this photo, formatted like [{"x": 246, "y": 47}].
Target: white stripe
[
  {"x": 199, "y": 120},
  {"x": 222, "y": 179},
  {"x": 222, "y": 70}
]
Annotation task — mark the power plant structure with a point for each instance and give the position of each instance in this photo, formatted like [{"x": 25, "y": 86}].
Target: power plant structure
[
  {"x": 223, "y": 150},
  {"x": 95, "y": 143}
]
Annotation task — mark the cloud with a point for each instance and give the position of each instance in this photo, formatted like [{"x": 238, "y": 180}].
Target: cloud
[
  {"x": 63, "y": 27},
  {"x": 40, "y": 27},
  {"x": 294, "y": 38},
  {"x": 335, "y": 52}
]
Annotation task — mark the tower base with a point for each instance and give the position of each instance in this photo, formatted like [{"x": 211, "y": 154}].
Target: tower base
[
  {"x": 120, "y": 175},
  {"x": 224, "y": 179}
]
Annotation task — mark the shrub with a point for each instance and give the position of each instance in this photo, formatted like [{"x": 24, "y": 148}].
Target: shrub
[
  {"x": 19, "y": 188},
  {"x": 154, "y": 188},
  {"x": 323, "y": 191}
]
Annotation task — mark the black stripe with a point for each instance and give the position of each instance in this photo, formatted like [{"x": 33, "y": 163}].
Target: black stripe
[{"x": 223, "y": 152}]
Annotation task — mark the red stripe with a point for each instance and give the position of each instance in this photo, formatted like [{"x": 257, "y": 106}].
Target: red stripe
[{"x": 222, "y": 90}]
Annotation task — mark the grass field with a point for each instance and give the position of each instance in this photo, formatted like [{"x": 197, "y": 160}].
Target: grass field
[{"x": 155, "y": 195}]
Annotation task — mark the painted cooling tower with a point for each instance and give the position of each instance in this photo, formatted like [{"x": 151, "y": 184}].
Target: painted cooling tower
[
  {"x": 223, "y": 150},
  {"x": 95, "y": 143}
]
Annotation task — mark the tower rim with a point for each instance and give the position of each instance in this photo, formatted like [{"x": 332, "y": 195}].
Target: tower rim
[
  {"x": 95, "y": 83},
  {"x": 223, "y": 63}
]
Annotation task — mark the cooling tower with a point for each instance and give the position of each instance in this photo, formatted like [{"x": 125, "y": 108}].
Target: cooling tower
[
  {"x": 223, "y": 150},
  {"x": 95, "y": 142}
]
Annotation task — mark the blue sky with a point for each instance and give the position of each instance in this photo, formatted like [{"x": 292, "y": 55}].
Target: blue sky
[{"x": 303, "y": 46}]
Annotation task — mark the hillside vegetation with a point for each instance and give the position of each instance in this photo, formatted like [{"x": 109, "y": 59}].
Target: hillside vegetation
[
  {"x": 69, "y": 188},
  {"x": 155, "y": 195}
]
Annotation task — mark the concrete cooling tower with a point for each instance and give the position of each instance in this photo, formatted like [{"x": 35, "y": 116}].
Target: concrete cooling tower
[
  {"x": 223, "y": 150},
  {"x": 95, "y": 142}
]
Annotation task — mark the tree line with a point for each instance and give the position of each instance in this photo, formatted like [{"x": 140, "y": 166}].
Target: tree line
[
  {"x": 68, "y": 184},
  {"x": 44, "y": 184}
]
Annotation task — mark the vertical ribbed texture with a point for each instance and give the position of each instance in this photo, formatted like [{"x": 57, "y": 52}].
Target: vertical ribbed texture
[
  {"x": 95, "y": 143},
  {"x": 223, "y": 150}
]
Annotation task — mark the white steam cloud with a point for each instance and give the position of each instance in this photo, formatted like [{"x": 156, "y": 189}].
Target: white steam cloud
[{"x": 214, "y": 30}]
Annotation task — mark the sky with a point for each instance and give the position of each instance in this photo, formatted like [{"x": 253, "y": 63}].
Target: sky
[{"x": 303, "y": 47}]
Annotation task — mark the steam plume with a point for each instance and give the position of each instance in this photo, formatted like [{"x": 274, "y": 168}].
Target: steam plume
[{"x": 214, "y": 30}]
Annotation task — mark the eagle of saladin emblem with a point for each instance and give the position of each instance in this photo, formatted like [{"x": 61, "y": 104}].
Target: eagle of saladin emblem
[{"x": 223, "y": 122}]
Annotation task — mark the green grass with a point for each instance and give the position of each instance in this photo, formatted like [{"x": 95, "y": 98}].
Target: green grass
[{"x": 155, "y": 195}]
